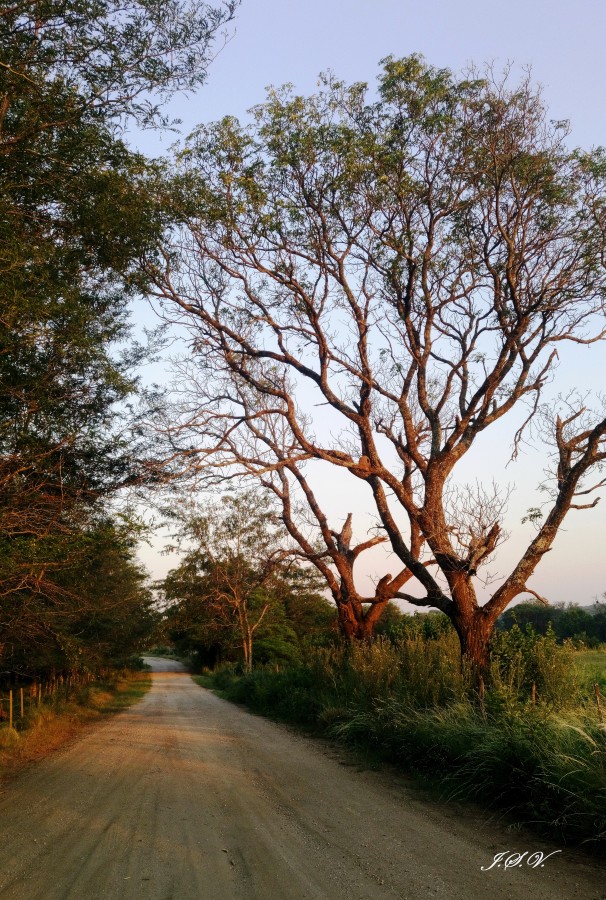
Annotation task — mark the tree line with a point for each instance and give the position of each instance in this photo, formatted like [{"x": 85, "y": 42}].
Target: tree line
[
  {"x": 75, "y": 218},
  {"x": 238, "y": 596},
  {"x": 582, "y": 624},
  {"x": 364, "y": 284}
]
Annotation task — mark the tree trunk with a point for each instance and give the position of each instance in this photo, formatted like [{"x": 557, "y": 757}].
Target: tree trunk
[
  {"x": 357, "y": 624},
  {"x": 249, "y": 661},
  {"x": 247, "y": 651},
  {"x": 474, "y": 633},
  {"x": 347, "y": 621}
]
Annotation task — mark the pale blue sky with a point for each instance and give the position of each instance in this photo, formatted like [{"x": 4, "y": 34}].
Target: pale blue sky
[{"x": 275, "y": 42}]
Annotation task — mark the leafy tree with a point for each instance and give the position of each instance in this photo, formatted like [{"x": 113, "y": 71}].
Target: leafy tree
[
  {"x": 74, "y": 218},
  {"x": 116, "y": 614},
  {"x": 311, "y": 616},
  {"x": 74, "y": 215},
  {"x": 574, "y": 622},
  {"x": 600, "y": 621},
  {"x": 238, "y": 584},
  {"x": 93, "y": 611},
  {"x": 413, "y": 265},
  {"x": 537, "y": 615},
  {"x": 62, "y": 59},
  {"x": 568, "y": 621}
]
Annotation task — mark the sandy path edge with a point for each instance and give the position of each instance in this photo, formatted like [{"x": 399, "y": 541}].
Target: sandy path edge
[{"x": 187, "y": 796}]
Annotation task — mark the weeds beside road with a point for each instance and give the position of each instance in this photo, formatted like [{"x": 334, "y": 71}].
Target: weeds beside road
[{"x": 533, "y": 745}]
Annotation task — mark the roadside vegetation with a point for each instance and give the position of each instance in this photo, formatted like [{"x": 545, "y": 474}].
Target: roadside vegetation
[
  {"x": 528, "y": 742},
  {"x": 58, "y": 716},
  {"x": 74, "y": 220},
  {"x": 532, "y": 746}
]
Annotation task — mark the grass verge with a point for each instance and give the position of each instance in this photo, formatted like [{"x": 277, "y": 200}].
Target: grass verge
[
  {"x": 51, "y": 726},
  {"x": 533, "y": 747}
]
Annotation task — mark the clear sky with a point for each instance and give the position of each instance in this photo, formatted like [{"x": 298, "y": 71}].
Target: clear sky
[{"x": 273, "y": 42}]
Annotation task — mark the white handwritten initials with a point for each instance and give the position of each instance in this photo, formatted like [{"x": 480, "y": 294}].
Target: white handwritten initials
[{"x": 509, "y": 860}]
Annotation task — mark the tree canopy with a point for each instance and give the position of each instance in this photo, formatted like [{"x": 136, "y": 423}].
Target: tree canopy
[{"x": 238, "y": 584}]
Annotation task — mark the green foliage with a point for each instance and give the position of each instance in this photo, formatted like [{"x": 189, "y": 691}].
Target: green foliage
[
  {"x": 75, "y": 216},
  {"x": 121, "y": 59},
  {"x": 94, "y": 612},
  {"x": 396, "y": 624},
  {"x": 523, "y": 659},
  {"x": 239, "y": 587},
  {"x": 308, "y": 613},
  {"x": 582, "y": 624}
]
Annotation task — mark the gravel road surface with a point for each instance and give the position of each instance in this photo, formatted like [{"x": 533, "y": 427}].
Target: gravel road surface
[{"x": 186, "y": 796}]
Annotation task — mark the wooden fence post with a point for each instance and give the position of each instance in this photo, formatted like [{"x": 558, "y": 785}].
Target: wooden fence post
[
  {"x": 22, "y": 703},
  {"x": 10, "y": 709}
]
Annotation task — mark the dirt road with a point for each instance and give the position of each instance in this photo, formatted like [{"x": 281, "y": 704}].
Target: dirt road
[{"x": 186, "y": 796}]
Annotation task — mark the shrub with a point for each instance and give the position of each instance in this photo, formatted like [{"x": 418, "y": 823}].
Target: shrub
[{"x": 523, "y": 659}]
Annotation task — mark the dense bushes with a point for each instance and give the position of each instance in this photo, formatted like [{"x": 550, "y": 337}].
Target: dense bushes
[{"x": 581, "y": 624}]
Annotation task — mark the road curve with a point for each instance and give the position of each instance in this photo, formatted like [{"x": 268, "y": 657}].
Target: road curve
[{"x": 187, "y": 796}]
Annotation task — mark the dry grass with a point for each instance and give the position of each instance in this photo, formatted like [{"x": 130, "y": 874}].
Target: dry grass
[{"x": 50, "y": 728}]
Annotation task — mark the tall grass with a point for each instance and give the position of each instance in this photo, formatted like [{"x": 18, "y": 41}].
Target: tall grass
[{"x": 532, "y": 745}]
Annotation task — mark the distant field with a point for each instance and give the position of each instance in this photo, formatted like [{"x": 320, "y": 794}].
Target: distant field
[{"x": 591, "y": 665}]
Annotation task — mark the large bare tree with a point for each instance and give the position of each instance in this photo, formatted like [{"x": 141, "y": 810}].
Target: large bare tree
[{"x": 411, "y": 265}]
